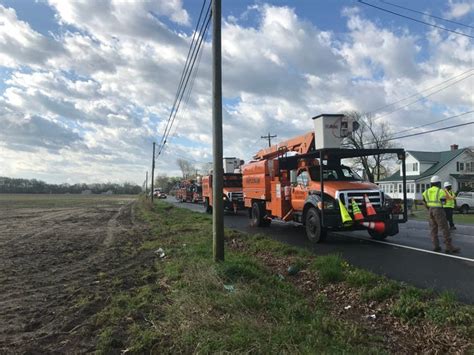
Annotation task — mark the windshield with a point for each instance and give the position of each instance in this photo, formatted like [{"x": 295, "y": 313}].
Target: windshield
[
  {"x": 341, "y": 173},
  {"x": 232, "y": 180}
]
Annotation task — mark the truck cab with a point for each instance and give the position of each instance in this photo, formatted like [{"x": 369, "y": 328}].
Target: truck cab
[{"x": 231, "y": 194}]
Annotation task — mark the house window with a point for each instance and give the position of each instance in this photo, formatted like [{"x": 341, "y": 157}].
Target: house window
[
  {"x": 415, "y": 166},
  {"x": 418, "y": 186},
  {"x": 470, "y": 167},
  {"x": 391, "y": 188},
  {"x": 399, "y": 188},
  {"x": 459, "y": 166}
]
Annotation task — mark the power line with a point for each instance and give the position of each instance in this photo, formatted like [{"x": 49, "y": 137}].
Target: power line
[
  {"x": 432, "y": 123},
  {"x": 184, "y": 81},
  {"x": 426, "y": 14},
  {"x": 416, "y": 20},
  {"x": 422, "y": 133},
  {"x": 423, "y": 97},
  {"x": 182, "y": 94},
  {"x": 189, "y": 72},
  {"x": 185, "y": 69},
  {"x": 188, "y": 94},
  {"x": 419, "y": 92}
]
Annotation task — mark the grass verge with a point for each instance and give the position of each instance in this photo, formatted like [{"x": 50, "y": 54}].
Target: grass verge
[
  {"x": 265, "y": 298},
  {"x": 421, "y": 214}
]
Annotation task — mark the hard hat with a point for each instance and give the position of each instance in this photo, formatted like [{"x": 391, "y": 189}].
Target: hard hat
[
  {"x": 447, "y": 183},
  {"x": 434, "y": 179}
]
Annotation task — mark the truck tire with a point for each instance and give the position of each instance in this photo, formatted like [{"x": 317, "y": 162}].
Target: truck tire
[
  {"x": 257, "y": 216},
  {"x": 377, "y": 236},
  {"x": 207, "y": 206},
  {"x": 314, "y": 230},
  {"x": 464, "y": 209}
]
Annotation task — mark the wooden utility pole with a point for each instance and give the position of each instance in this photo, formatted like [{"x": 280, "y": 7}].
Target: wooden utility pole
[
  {"x": 153, "y": 173},
  {"x": 217, "y": 178},
  {"x": 269, "y": 138},
  {"x": 146, "y": 185}
]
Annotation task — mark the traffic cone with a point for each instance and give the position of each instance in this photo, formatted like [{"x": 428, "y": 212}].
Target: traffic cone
[
  {"x": 378, "y": 227},
  {"x": 346, "y": 217},
  {"x": 358, "y": 216},
  {"x": 368, "y": 206}
]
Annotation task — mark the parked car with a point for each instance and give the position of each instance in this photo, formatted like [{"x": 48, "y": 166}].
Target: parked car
[
  {"x": 162, "y": 195},
  {"x": 465, "y": 202}
]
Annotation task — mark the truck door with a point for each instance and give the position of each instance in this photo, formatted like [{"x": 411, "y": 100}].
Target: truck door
[{"x": 300, "y": 191}]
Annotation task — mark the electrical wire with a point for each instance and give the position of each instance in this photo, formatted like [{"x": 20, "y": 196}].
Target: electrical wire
[
  {"x": 432, "y": 123},
  {"x": 416, "y": 20},
  {"x": 166, "y": 134},
  {"x": 425, "y": 14},
  {"x": 183, "y": 86},
  {"x": 421, "y": 133},
  {"x": 188, "y": 94},
  {"x": 185, "y": 68},
  {"x": 423, "y": 97},
  {"x": 419, "y": 92}
]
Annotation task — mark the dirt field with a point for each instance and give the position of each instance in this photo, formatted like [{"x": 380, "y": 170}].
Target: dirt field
[{"x": 58, "y": 254}]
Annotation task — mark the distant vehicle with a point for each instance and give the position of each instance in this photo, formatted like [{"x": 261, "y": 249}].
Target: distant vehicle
[
  {"x": 162, "y": 195},
  {"x": 465, "y": 201},
  {"x": 156, "y": 192}
]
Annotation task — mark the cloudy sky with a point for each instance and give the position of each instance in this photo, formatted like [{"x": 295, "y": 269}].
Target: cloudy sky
[{"x": 87, "y": 86}]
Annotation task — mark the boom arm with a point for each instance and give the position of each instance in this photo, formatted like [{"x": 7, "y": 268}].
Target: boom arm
[{"x": 301, "y": 144}]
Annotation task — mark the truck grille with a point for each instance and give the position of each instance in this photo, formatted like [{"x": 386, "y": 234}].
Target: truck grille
[
  {"x": 236, "y": 196},
  {"x": 346, "y": 197}
]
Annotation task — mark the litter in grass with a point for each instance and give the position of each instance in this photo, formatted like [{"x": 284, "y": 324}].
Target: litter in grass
[
  {"x": 371, "y": 316},
  {"x": 160, "y": 252},
  {"x": 293, "y": 270},
  {"x": 347, "y": 307},
  {"x": 229, "y": 288}
]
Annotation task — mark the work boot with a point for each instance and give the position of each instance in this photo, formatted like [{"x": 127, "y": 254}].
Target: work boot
[
  {"x": 452, "y": 250},
  {"x": 437, "y": 249}
]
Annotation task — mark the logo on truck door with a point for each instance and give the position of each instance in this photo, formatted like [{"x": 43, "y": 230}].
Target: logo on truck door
[{"x": 252, "y": 180}]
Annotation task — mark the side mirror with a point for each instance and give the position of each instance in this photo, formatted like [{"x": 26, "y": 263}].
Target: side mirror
[{"x": 293, "y": 177}]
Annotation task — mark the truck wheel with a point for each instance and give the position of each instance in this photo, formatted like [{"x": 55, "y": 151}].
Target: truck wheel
[
  {"x": 314, "y": 230},
  {"x": 207, "y": 207},
  {"x": 464, "y": 209},
  {"x": 257, "y": 215},
  {"x": 377, "y": 236}
]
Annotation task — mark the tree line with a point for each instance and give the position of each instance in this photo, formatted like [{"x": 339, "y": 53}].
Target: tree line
[{"x": 33, "y": 186}]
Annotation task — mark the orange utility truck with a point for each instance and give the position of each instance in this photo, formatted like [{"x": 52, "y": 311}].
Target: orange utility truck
[
  {"x": 232, "y": 192},
  {"x": 303, "y": 180},
  {"x": 185, "y": 191}
]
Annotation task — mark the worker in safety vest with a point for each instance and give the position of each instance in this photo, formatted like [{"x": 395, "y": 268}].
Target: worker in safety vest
[
  {"x": 434, "y": 198},
  {"x": 450, "y": 204}
]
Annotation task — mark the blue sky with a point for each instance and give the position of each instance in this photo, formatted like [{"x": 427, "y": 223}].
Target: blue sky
[{"x": 86, "y": 87}]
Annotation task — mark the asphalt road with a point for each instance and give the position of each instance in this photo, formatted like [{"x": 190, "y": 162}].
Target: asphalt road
[{"x": 406, "y": 257}]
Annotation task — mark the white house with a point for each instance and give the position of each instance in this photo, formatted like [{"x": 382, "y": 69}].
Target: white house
[{"x": 455, "y": 165}]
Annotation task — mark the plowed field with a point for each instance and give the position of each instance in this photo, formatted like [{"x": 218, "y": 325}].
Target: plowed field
[{"x": 55, "y": 252}]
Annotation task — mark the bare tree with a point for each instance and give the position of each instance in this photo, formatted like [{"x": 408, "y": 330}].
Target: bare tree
[
  {"x": 187, "y": 169},
  {"x": 206, "y": 168},
  {"x": 371, "y": 135}
]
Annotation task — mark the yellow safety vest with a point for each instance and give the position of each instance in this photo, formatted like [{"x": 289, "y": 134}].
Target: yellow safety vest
[
  {"x": 433, "y": 196},
  {"x": 450, "y": 199}
]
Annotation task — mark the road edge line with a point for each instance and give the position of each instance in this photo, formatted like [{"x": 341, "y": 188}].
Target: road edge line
[{"x": 419, "y": 249}]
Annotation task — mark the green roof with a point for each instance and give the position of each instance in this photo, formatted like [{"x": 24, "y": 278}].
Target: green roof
[{"x": 439, "y": 160}]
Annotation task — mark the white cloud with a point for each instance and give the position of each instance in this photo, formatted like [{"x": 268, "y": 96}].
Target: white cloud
[
  {"x": 458, "y": 9},
  {"x": 20, "y": 45}
]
